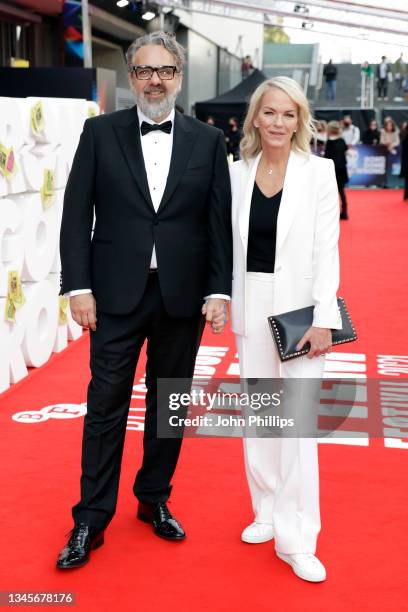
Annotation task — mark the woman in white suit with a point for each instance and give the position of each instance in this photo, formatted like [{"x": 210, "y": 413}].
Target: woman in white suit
[{"x": 285, "y": 216}]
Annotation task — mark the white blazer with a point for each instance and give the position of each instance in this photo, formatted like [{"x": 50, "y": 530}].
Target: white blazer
[{"x": 307, "y": 257}]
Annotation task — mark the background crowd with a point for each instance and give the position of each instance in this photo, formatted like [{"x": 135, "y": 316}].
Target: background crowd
[
  {"x": 332, "y": 140},
  {"x": 386, "y": 73},
  {"x": 390, "y": 134}
]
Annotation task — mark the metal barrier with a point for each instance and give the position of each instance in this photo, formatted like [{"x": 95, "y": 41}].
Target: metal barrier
[{"x": 367, "y": 90}]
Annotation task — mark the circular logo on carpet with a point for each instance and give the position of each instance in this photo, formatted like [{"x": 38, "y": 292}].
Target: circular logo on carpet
[{"x": 55, "y": 411}]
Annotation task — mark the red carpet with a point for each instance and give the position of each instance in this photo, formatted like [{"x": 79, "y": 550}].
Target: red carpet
[{"x": 364, "y": 492}]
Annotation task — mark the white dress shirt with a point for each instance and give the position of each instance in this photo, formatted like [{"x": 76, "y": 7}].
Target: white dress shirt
[
  {"x": 383, "y": 69},
  {"x": 157, "y": 148},
  {"x": 351, "y": 135}
]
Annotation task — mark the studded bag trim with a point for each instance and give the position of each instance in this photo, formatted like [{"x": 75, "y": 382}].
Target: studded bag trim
[{"x": 288, "y": 328}]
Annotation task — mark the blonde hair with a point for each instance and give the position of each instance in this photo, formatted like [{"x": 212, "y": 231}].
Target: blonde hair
[
  {"x": 251, "y": 143},
  {"x": 334, "y": 127},
  {"x": 389, "y": 119}
]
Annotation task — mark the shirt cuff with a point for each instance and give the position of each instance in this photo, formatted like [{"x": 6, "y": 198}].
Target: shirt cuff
[
  {"x": 219, "y": 296},
  {"x": 77, "y": 292}
]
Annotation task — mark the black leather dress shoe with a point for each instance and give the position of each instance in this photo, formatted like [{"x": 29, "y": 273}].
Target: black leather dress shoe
[
  {"x": 83, "y": 539},
  {"x": 164, "y": 523}
]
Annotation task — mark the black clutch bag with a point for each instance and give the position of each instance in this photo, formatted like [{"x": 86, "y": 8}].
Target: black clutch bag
[{"x": 288, "y": 328}]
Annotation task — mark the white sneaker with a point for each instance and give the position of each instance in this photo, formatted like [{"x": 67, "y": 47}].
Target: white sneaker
[
  {"x": 256, "y": 533},
  {"x": 305, "y": 565}
]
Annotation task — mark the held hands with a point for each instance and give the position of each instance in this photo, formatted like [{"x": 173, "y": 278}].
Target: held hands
[
  {"x": 83, "y": 310},
  {"x": 215, "y": 311},
  {"x": 320, "y": 339}
]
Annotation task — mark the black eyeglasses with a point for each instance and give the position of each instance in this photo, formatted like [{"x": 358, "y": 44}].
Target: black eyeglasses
[{"x": 144, "y": 73}]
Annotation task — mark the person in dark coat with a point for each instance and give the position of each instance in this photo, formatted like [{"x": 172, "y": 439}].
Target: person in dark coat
[
  {"x": 330, "y": 74},
  {"x": 336, "y": 150},
  {"x": 404, "y": 158},
  {"x": 233, "y": 138},
  {"x": 159, "y": 259},
  {"x": 372, "y": 134}
]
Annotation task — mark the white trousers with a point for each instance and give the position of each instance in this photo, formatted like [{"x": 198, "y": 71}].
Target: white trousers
[{"x": 282, "y": 473}]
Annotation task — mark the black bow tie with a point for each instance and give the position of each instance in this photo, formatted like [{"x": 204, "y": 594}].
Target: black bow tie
[{"x": 145, "y": 128}]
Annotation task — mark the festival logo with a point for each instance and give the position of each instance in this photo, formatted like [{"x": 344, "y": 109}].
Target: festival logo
[{"x": 55, "y": 411}]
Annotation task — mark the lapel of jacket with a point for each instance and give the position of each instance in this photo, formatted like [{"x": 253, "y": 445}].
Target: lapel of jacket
[
  {"x": 128, "y": 134},
  {"x": 293, "y": 193},
  {"x": 183, "y": 140},
  {"x": 247, "y": 181}
]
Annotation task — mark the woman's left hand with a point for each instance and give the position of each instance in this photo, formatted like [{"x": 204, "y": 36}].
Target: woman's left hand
[{"x": 320, "y": 339}]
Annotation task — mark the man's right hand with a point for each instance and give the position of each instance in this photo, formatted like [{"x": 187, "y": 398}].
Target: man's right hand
[{"x": 83, "y": 310}]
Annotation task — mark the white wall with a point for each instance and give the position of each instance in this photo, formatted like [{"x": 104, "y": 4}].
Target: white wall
[
  {"x": 29, "y": 232},
  {"x": 225, "y": 32},
  {"x": 201, "y": 69}
]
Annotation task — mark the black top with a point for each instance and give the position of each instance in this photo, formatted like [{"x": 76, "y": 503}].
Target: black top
[
  {"x": 262, "y": 231},
  {"x": 234, "y": 138},
  {"x": 330, "y": 72},
  {"x": 404, "y": 156},
  {"x": 371, "y": 137},
  {"x": 336, "y": 150}
]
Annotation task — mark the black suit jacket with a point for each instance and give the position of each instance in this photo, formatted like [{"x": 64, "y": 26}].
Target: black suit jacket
[{"x": 191, "y": 229}]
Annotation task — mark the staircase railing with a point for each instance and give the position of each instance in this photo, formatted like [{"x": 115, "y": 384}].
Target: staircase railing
[
  {"x": 367, "y": 89},
  {"x": 319, "y": 81}
]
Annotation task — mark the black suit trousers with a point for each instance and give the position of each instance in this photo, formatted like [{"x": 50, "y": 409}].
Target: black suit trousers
[{"x": 172, "y": 345}]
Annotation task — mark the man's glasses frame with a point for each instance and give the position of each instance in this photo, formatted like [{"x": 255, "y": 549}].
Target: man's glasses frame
[{"x": 150, "y": 70}]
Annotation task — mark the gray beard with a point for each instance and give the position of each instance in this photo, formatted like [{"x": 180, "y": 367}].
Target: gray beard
[{"x": 154, "y": 110}]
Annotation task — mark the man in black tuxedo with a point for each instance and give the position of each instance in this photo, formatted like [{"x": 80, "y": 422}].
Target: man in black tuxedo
[{"x": 158, "y": 185}]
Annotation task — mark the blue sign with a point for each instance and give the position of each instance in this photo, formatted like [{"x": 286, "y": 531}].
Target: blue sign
[{"x": 367, "y": 165}]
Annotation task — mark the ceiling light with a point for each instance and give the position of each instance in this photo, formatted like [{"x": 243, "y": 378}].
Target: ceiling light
[
  {"x": 300, "y": 8},
  {"x": 148, "y": 15},
  {"x": 122, "y": 3}
]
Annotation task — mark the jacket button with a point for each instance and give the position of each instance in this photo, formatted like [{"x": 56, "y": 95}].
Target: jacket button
[{"x": 156, "y": 222}]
